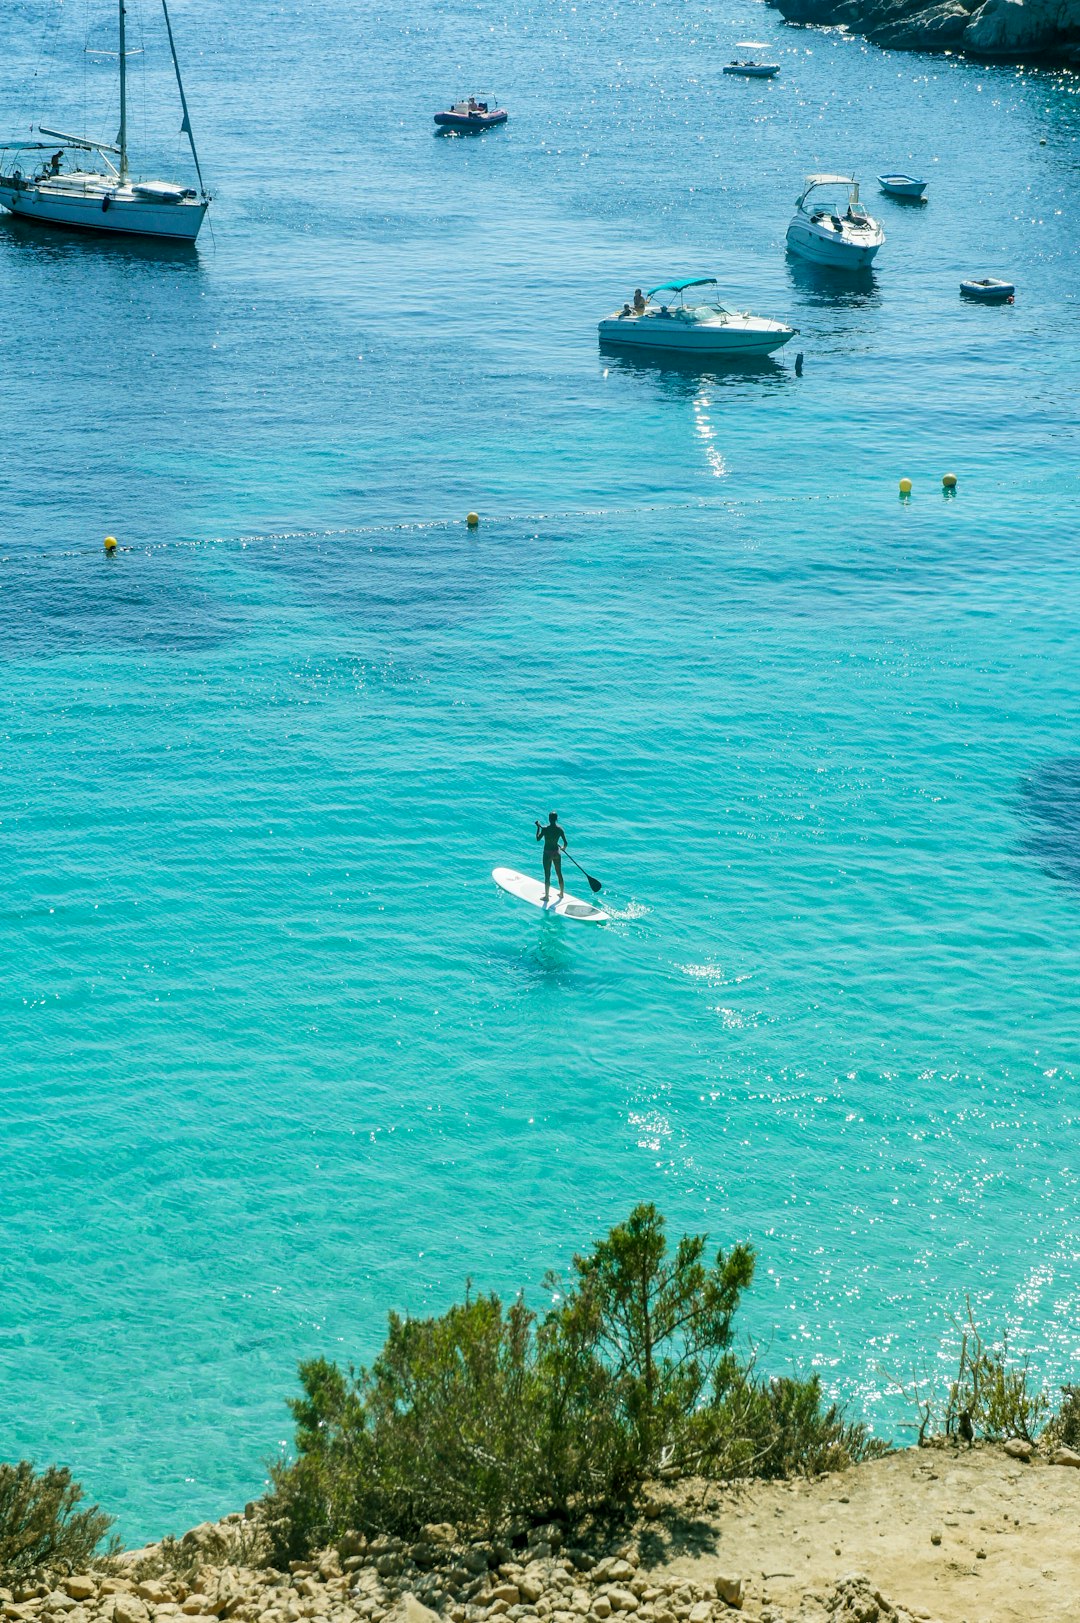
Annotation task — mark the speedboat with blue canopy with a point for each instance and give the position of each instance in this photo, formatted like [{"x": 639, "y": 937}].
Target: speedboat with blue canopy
[
  {"x": 820, "y": 232},
  {"x": 679, "y": 316}
]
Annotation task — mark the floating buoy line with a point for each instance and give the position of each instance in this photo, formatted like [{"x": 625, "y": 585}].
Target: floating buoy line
[{"x": 272, "y": 538}]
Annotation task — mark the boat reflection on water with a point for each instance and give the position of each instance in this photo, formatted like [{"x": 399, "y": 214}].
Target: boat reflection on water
[
  {"x": 45, "y": 243},
  {"x": 682, "y": 377},
  {"x": 821, "y": 285}
]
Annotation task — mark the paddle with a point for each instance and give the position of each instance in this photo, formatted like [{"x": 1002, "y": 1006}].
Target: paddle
[{"x": 594, "y": 884}]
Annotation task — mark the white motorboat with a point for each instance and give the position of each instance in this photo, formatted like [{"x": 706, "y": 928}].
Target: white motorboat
[
  {"x": 847, "y": 241},
  {"x": 105, "y": 199},
  {"x": 752, "y": 67},
  {"x": 664, "y": 320}
]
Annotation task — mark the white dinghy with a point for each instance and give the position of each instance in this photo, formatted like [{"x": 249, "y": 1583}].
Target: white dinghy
[{"x": 821, "y": 233}]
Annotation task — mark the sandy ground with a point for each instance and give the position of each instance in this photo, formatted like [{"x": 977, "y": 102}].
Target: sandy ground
[{"x": 1009, "y": 1532}]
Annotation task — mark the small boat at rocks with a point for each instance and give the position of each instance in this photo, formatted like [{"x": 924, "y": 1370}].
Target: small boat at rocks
[
  {"x": 988, "y": 290},
  {"x": 753, "y": 70},
  {"x": 471, "y": 115},
  {"x": 903, "y": 186},
  {"x": 847, "y": 241},
  {"x": 707, "y": 329}
]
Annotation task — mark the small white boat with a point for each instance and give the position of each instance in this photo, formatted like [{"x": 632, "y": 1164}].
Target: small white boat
[
  {"x": 988, "y": 290},
  {"x": 104, "y": 199},
  {"x": 752, "y": 67},
  {"x": 902, "y": 186},
  {"x": 820, "y": 233},
  {"x": 665, "y": 321}
]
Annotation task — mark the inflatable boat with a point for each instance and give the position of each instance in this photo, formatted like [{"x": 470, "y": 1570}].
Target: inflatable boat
[
  {"x": 471, "y": 115},
  {"x": 989, "y": 291}
]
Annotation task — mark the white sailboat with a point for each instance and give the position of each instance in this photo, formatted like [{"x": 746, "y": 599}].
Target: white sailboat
[{"x": 105, "y": 199}]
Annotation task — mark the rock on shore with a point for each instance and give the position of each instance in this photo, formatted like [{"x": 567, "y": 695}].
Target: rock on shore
[{"x": 1009, "y": 30}]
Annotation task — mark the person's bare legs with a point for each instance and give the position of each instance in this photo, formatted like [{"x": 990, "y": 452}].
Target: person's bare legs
[
  {"x": 547, "y": 877},
  {"x": 558, "y": 869}
]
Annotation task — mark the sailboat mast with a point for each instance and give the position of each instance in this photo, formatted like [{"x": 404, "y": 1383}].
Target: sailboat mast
[
  {"x": 186, "y": 125},
  {"x": 122, "y": 140}
]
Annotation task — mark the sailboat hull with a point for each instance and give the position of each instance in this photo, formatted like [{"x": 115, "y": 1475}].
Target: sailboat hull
[{"x": 124, "y": 215}]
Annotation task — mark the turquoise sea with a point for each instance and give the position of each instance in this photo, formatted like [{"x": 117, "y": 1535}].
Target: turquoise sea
[{"x": 277, "y": 1057}]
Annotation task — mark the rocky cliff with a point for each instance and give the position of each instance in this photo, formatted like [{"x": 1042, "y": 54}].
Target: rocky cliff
[{"x": 1009, "y": 30}]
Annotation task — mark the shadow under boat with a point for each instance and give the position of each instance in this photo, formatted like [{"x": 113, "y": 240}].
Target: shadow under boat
[
  {"x": 683, "y": 375},
  {"x": 831, "y": 285},
  {"x": 56, "y": 243}
]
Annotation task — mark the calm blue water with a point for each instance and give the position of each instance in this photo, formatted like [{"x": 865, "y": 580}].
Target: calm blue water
[{"x": 276, "y": 1055}]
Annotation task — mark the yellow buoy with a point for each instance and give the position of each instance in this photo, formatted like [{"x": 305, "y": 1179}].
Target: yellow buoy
[
  {"x": 949, "y": 481},
  {"x": 110, "y": 543},
  {"x": 905, "y": 487},
  {"x": 472, "y": 520}
]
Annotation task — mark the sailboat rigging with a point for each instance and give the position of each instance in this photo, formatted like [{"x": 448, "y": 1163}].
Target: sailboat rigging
[{"x": 106, "y": 199}]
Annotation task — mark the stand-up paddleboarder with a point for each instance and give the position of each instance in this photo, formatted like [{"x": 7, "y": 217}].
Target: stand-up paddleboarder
[{"x": 552, "y": 835}]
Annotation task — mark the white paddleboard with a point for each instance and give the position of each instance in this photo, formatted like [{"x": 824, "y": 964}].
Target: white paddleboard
[{"x": 532, "y": 890}]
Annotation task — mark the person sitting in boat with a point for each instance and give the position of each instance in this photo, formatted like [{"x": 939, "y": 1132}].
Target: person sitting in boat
[
  {"x": 625, "y": 311},
  {"x": 639, "y": 301}
]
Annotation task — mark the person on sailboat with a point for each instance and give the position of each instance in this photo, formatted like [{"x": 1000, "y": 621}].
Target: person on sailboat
[{"x": 54, "y": 163}]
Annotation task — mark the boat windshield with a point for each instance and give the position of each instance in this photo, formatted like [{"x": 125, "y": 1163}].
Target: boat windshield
[{"x": 657, "y": 309}]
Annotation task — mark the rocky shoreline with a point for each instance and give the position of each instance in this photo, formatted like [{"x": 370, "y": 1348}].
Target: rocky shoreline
[
  {"x": 995, "y": 30},
  {"x": 962, "y": 1535},
  {"x": 387, "y": 1580}
]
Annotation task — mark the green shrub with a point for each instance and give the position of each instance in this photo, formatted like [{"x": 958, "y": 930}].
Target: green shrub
[
  {"x": 171, "y": 1558},
  {"x": 777, "y": 1428},
  {"x": 489, "y": 1415},
  {"x": 1065, "y": 1425},
  {"x": 41, "y": 1528},
  {"x": 476, "y": 1417},
  {"x": 659, "y": 1327},
  {"x": 993, "y": 1394}
]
